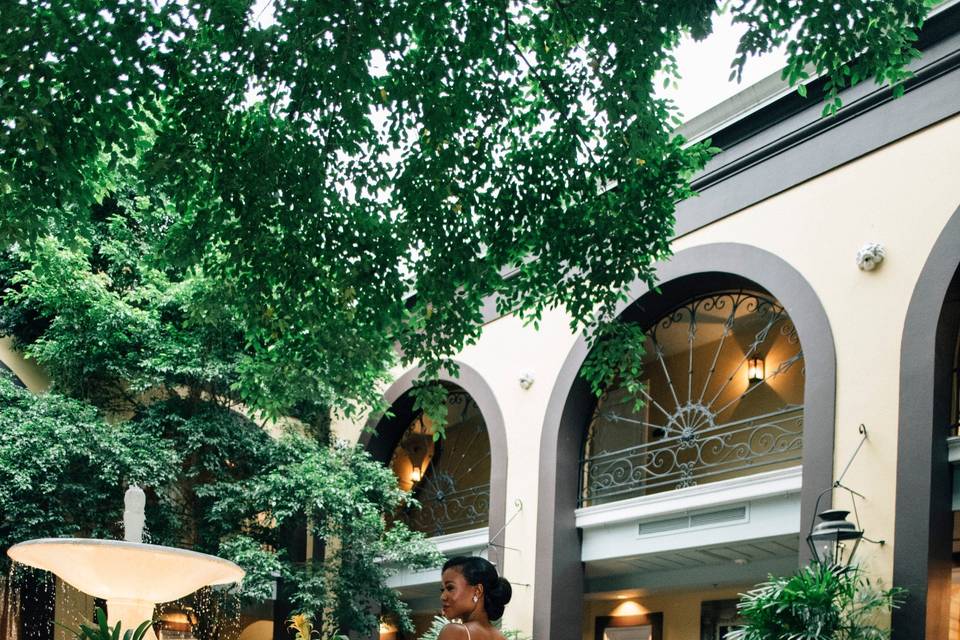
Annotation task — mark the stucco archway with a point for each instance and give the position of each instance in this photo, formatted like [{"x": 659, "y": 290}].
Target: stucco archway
[
  {"x": 381, "y": 435},
  {"x": 558, "y": 592},
  {"x": 922, "y": 560}
]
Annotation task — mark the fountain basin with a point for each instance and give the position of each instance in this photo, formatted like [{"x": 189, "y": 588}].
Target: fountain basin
[
  {"x": 115, "y": 569},
  {"x": 131, "y": 576}
]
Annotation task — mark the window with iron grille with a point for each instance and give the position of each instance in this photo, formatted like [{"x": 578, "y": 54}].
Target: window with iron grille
[
  {"x": 723, "y": 397},
  {"x": 450, "y": 477}
]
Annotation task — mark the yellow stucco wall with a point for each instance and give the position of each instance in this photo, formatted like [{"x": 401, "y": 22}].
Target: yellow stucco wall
[
  {"x": 27, "y": 370},
  {"x": 901, "y": 196},
  {"x": 680, "y": 609}
]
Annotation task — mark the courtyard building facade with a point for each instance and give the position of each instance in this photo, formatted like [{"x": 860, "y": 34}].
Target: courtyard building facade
[
  {"x": 814, "y": 287},
  {"x": 806, "y": 328}
]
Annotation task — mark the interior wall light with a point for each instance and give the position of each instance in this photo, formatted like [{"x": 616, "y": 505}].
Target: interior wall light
[
  {"x": 417, "y": 446},
  {"x": 755, "y": 370}
]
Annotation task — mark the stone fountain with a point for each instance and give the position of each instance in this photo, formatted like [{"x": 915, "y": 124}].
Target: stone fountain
[{"x": 130, "y": 575}]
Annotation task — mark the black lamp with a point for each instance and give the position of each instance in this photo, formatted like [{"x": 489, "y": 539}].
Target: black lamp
[
  {"x": 834, "y": 540},
  {"x": 755, "y": 370}
]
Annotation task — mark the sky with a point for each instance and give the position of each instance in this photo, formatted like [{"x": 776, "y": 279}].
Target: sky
[{"x": 705, "y": 67}]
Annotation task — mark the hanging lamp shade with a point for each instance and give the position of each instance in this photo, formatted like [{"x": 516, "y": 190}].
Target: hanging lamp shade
[{"x": 834, "y": 540}]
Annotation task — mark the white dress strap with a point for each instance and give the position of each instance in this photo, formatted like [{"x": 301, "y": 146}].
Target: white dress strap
[{"x": 467, "y": 629}]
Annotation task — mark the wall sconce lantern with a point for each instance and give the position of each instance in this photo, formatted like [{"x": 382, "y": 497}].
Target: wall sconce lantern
[
  {"x": 416, "y": 475},
  {"x": 834, "y": 541},
  {"x": 755, "y": 370},
  {"x": 417, "y": 446}
]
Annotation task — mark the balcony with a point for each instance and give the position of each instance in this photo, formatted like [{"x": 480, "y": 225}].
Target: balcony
[
  {"x": 444, "y": 509},
  {"x": 685, "y": 456},
  {"x": 721, "y": 398}
]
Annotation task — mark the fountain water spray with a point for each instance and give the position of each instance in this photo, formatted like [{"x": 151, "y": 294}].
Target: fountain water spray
[
  {"x": 130, "y": 575},
  {"x": 134, "y": 501}
]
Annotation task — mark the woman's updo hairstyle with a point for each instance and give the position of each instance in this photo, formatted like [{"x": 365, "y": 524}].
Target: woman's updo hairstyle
[{"x": 476, "y": 570}]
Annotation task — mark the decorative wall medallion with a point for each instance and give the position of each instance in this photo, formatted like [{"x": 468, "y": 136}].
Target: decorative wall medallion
[
  {"x": 526, "y": 381},
  {"x": 870, "y": 256}
]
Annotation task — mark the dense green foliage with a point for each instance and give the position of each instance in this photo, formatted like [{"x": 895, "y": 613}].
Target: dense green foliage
[
  {"x": 121, "y": 335},
  {"x": 59, "y": 461},
  {"x": 343, "y": 494},
  {"x": 315, "y": 164},
  {"x": 216, "y": 482},
  {"x": 819, "y": 602}
]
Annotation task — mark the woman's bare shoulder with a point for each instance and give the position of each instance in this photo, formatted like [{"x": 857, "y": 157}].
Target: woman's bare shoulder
[
  {"x": 453, "y": 631},
  {"x": 459, "y": 631}
]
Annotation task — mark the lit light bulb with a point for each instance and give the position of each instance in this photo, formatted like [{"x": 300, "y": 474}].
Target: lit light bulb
[
  {"x": 415, "y": 475},
  {"x": 755, "y": 370}
]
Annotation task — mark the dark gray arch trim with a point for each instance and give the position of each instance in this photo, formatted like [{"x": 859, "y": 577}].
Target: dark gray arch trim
[
  {"x": 923, "y": 529},
  {"x": 558, "y": 593},
  {"x": 374, "y": 438}
]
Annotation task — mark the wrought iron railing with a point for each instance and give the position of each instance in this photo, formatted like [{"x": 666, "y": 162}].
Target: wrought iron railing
[
  {"x": 442, "y": 512},
  {"x": 692, "y": 457}
]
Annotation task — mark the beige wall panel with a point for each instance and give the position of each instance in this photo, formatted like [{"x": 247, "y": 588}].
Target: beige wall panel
[
  {"x": 27, "y": 370},
  {"x": 507, "y": 351},
  {"x": 900, "y": 196},
  {"x": 681, "y": 611}
]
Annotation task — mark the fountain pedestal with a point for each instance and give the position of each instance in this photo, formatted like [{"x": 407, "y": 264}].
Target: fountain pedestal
[{"x": 131, "y": 614}]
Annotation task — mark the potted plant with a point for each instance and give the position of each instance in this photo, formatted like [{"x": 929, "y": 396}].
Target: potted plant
[{"x": 818, "y": 602}]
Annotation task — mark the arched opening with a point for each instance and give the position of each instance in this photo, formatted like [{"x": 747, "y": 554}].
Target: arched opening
[
  {"x": 460, "y": 480},
  {"x": 722, "y": 397},
  {"x": 953, "y": 445},
  {"x": 928, "y": 450},
  {"x": 676, "y": 478},
  {"x": 576, "y": 529},
  {"x": 449, "y": 477}
]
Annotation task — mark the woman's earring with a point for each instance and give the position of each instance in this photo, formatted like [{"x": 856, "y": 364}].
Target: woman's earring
[{"x": 475, "y": 598}]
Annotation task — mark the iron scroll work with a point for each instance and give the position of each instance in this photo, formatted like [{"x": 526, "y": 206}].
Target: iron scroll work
[
  {"x": 701, "y": 419},
  {"x": 444, "y": 509},
  {"x": 454, "y": 492}
]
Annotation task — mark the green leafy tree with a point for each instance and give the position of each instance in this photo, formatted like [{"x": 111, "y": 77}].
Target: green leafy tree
[
  {"x": 819, "y": 602},
  {"x": 343, "y": 494},
  {"x": 318, "y": 163},
  {"x": 217, "y": 483},
  {"x": 216, "y": 211},
  {"x": 63, "y": 469},
  {"x": 119, "y": 331}
]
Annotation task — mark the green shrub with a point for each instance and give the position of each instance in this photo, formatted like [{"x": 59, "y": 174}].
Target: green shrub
[
  {"x": 818, "y": 602},
  {"x": 102, "y": 631}
]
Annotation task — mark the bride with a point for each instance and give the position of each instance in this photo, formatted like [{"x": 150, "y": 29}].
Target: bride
[{"x": 471, "y": 596}]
